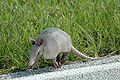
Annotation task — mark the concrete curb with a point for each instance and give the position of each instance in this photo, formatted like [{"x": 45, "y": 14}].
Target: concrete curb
[{"x": 104, "y": 69}]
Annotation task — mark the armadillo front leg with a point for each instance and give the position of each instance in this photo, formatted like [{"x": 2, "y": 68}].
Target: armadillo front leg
[{"x": 55, "y": 63}]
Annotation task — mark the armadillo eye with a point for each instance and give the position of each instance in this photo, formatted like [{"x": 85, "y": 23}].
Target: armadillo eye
[
  {"x": 38, "y": 45},
  {"x": 39, "y": 52}
]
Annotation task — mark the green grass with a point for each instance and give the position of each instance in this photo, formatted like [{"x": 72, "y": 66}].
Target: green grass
[{"x": 94, "y": 26}]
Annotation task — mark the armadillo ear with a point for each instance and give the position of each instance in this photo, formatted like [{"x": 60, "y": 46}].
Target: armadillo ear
[
  {"x": 41, "y": 41},
  {"x": 32, "y": 41}
]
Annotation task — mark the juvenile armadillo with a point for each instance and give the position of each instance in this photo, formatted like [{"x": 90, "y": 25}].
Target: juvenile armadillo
[{"x": 50, "y": 43}]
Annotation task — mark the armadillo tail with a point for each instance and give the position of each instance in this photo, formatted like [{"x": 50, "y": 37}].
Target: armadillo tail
[{"x": 79, "y": 54}]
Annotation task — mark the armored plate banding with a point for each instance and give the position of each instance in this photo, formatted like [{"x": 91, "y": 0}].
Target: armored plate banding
[{"x": 55, "y": 41}]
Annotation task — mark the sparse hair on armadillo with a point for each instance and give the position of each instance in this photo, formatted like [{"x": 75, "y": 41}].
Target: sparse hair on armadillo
[{"x": 50, "y": 43}]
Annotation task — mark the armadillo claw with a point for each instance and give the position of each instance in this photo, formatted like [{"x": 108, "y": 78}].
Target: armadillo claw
[
  {"x": 56, "y": 65},
  {"x": 59, "y": 63}
]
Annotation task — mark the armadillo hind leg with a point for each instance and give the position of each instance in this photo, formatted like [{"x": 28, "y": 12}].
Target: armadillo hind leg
[
  {"x": 58, "y": 59},
  {"x": 55, "y": 63},
  {"x": 64, "y": 57}
]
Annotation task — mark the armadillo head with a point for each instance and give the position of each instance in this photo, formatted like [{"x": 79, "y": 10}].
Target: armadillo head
[{"x": 35, "y": 53}]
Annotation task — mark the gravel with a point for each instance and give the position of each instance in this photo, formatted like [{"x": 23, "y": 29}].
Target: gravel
[{"x": 107, "y": 68}]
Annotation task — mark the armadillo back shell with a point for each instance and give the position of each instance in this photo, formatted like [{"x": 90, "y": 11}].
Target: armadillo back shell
[
  {"x": 51, "y": 48},
  {"x": 55, "y": 41}
]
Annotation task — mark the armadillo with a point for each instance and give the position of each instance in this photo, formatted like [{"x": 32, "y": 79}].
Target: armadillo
[{"x": 49, "y": 44}]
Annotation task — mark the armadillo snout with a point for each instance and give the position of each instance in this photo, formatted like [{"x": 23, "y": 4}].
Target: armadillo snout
[{"x": 31, "y": 64}]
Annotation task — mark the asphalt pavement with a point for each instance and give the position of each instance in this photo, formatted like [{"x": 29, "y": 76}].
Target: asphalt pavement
[{"x": 107, "y": 68}]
